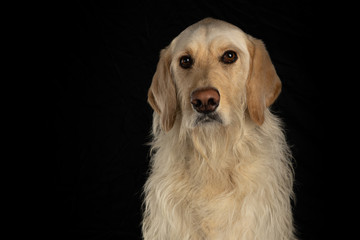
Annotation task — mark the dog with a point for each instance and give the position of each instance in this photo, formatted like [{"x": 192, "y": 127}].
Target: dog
[{"x": 220, "y": 165}]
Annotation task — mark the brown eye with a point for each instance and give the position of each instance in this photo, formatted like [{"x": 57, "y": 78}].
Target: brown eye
[
  {"x": 186, "y": 62},
  {"x": 229, "y": 57}
]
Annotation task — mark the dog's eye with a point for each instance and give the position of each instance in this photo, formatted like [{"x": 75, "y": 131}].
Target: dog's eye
[
  {"x": 186, "y": 61},
  {"x": 229, "y": 57}
]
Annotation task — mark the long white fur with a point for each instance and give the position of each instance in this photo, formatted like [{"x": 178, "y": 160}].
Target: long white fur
[{"x": 218, "y": 181}]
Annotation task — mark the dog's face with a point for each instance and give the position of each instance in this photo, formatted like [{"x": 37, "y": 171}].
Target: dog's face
[{"x": 213, "y": 73}]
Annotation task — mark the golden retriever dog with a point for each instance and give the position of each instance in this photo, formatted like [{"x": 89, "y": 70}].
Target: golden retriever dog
[{"x": 220, "y": 165}]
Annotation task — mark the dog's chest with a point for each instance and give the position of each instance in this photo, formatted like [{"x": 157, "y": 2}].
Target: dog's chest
[
  {"x": 213, "y": 203},
  {"x": 214, "y": 211}
]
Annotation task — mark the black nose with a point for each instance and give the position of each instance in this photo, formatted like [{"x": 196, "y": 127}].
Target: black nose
[{"x": 205, "y": 100}]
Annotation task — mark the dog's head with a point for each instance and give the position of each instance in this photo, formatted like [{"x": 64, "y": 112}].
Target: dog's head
[{"x": 210, "y": 73}]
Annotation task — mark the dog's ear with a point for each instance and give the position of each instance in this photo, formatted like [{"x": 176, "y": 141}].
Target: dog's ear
[
  {"x": 162, "y": 93},
  {"x": 263, "y": 84}
]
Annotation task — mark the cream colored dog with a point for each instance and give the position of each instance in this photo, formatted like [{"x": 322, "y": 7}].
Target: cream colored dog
[{"x": 220, "y": 166}]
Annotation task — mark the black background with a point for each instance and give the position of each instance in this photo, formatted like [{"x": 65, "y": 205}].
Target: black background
[{"x": 99, "y": 119}]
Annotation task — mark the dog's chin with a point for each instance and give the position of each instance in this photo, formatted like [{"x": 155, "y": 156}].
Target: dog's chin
[{"x": 206, "y": 119}]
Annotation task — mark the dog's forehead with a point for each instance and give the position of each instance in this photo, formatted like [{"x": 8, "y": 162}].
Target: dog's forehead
[{"x": 205, "y": 32}]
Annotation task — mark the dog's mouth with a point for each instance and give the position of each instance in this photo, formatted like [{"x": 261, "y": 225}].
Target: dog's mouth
[{"x": 208, "y": 118}]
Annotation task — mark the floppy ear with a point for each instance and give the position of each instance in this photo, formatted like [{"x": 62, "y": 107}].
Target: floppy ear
[
  {"x": 263, "y": 84},
  {"x": 162, "y": 94}
]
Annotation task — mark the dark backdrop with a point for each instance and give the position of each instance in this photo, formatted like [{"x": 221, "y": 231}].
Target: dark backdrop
[{"x": 99, "y": 119}]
